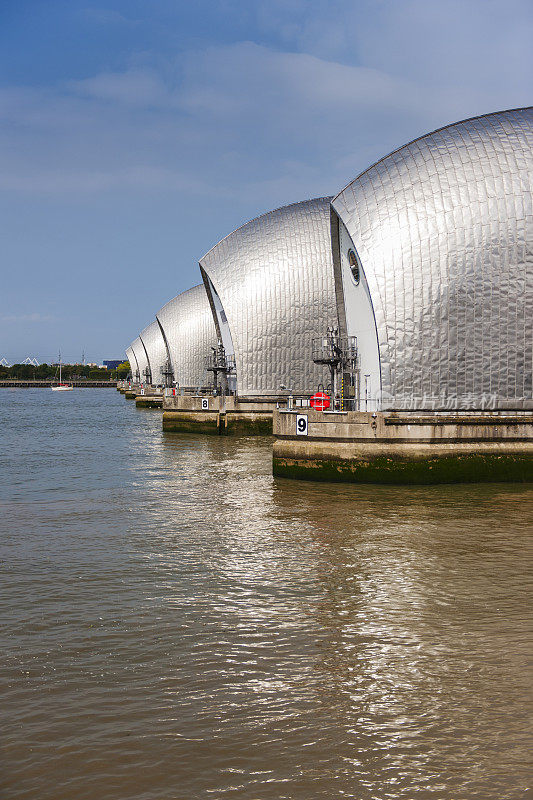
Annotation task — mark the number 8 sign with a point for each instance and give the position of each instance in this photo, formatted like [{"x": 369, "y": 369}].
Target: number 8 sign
[{"x": 301, "y": 424}]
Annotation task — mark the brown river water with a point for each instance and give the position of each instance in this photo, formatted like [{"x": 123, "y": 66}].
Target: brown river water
[{"x": 178, "y": 625}]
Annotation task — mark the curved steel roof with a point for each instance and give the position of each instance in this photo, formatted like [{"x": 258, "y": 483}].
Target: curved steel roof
[
  {"x": 130, "y": 355},
  {"x": 156, "y": 351},
  {"x": 140, "y": 356},
  {"x": 443, "y": 227},
  {"x": 188, "y": 329},
  {"x": 274, "y": 278}
]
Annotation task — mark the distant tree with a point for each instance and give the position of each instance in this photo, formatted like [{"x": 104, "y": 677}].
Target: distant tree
[
  {"x": 27, "y": 372},
  {"x": 123, "y": 370},
  {"x": 44, "y": 371},
  {"x": 23, "y": 372},
  {"x": 67, "y": 370}
]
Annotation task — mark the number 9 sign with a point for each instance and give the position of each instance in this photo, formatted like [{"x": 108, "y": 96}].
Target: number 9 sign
[{"x": 301, "y": 424}]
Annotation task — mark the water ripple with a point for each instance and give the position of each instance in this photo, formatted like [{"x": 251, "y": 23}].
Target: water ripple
[{"x": 177, "y": 624}]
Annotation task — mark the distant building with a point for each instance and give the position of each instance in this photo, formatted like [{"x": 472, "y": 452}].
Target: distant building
[{"x": 113, "y": 363}]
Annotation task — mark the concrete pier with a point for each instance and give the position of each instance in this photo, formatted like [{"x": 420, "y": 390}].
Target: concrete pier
[
  {"x": 218, "y": 415},
  {"x": 149, "y": 397},
  {"x": 131, "y": 390},
  {"x": 144, "y": 396},
  {"x": 403, "y": 447}
]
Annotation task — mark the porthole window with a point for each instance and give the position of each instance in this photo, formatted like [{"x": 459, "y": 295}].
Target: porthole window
[{"x": 353, "y": 261}]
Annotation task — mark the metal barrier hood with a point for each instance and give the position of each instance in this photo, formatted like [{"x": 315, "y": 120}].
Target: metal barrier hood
[
  {"x": 130, "y": 355},
  {"x": 443, "y": 228},
  {"x": 273, "y": 282},
  {"x": 188, "y": 330},
  {"x": 140, "y": 358},
  {"x": 156, "y": 352}
]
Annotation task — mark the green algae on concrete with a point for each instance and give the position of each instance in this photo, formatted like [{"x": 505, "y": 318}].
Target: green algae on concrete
[
  {"x": 183, "y": 422},
  {"x": 225, "y": 416},
  {"x": 148, "y": 402},
  {"x": 217, "y": 423},
  {"x": 248, "y": 425},
  {"x": 130, "y": 395},
  {"x": 413, "y": 448},
  {"x": 467, "y": 468}
]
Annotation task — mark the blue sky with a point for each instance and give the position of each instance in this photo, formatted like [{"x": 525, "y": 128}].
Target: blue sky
[{"x": 137, "y": 133}]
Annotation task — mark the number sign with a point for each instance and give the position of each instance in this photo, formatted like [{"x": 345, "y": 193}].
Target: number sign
[{"x": 301, "y": 424}]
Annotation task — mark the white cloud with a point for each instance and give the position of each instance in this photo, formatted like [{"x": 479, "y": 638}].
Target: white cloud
[
  {"x": 247, "y": 76},
  {"x": 142, "y": 88},
  {"x": 153, "y": 162},
  {"x": 106, "y": 16},
  {"x": 245, "y": 118}
]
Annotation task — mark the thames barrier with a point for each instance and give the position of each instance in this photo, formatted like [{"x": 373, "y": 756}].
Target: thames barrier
[{"x": 381, "y": 335}]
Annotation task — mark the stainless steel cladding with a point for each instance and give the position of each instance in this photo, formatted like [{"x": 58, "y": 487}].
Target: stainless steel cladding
[
  {"x": 156, "y": 351},
  {"x": 273, "y": 278},
  {"x": 443, "y": 228},
  {"x": 189, "y": 331},
  {"x": 141, "y": 358},
  {"x": 130, "y": 355}
]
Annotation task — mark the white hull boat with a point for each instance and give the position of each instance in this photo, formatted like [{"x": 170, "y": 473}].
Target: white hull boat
[{"x": 63, "y": 387}]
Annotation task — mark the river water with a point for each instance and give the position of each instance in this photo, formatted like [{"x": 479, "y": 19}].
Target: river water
[{"x": 177, "y": 625}]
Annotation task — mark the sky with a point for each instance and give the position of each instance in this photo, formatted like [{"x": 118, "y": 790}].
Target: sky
[{"x": 135, "y": 134}]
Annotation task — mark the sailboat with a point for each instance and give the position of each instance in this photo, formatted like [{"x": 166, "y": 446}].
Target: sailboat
[{"x": 62, "y": 387}]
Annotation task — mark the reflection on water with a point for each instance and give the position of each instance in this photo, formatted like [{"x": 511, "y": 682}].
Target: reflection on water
[{"x": 180, "y": 625}]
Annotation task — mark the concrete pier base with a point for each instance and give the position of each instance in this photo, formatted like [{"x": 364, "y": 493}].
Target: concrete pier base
[
  {"x": 149, "y": 397},
  {"x": 217, "y": 415},
  {"x": 406, "y": 448},
  {"x": 133, "y": 390},
  {"x": 149, "y": 401}
]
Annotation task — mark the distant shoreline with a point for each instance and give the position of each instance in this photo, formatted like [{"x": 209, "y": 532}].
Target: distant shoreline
[{"x": 83, "y": 384}]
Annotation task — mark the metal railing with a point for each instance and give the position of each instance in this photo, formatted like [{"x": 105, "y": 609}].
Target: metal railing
[
  {"x": 331, "y": 349},
  {"x": 214, "y": 362},
  {"x": 338, "y": 404}
]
